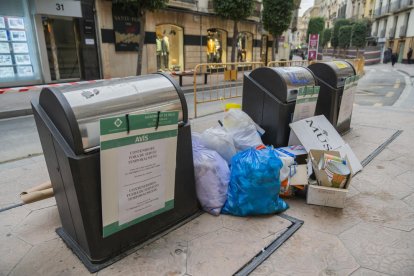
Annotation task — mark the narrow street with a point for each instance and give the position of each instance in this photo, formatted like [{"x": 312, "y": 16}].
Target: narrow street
[{"x": 381, "y": 85}]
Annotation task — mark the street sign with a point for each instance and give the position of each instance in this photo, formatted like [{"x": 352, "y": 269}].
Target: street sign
[
  {"x": 313, "y": 46},
  {"x": 138, "y": 162}
]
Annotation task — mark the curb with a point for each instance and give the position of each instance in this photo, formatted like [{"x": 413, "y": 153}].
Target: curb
[
  {"x": 15, "y": 113},
  {"x": 405, "y": 73}
]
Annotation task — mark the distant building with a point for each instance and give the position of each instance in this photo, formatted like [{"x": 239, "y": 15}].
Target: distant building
[{"x": 393, "y": 26}]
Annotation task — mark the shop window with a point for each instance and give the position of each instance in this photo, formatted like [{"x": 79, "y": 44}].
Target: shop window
[
  {"x": 18, "y": 56},
  {"x": 169, "y": 47},
  {"x": 244, "y": 47},
  {"x": 216, "y": 45}
]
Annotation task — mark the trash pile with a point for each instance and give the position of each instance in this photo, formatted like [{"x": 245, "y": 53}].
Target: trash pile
[{"x": 237, "y": 174}]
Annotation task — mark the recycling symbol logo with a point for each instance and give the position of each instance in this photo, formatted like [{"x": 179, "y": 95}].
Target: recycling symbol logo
[{"x": 118, "y": 122}]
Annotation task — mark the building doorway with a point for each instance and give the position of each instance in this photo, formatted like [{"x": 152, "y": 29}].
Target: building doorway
[{"x": 62, "y": 46}]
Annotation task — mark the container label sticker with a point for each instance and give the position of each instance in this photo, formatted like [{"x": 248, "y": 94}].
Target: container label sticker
[{"x": 341, "y": 64}]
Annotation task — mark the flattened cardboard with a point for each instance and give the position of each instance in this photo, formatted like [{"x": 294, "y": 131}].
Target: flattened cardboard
[
  {"x": 300, "y": 177},
  {"x": 318, "y": 133}
]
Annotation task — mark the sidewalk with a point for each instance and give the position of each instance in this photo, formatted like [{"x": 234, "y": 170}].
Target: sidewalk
[{"x": 373, "y": 235}]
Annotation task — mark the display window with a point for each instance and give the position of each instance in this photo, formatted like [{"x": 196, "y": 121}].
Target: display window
[
  {"x": 244, "y": 47},
  {"x": 169, "y": 47},
  {"x": 216, "y": 46},
  {"x": 18, "y": 55}
]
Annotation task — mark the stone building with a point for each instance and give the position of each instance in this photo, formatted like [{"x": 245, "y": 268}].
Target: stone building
[{"x": 393, "y": 26}]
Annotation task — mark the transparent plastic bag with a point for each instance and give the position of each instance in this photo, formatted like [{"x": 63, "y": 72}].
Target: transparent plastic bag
[
  {"x": 212, "y": 177},
  {"x": 254, "y": 184},
  {"x": 218, "y": 139},
  {"x": 245, "y": 132}
]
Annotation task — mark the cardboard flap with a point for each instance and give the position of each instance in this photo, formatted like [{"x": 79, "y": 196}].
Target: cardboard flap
[{"x": 318, "y": 133}]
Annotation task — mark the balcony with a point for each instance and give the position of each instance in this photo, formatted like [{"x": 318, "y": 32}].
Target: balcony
[
  {"x": 391, "y": 33},
  {"x": 400, "y": 5},
  {"x": 381, "y": 11},
  {"x": 403, "y": 31},
  {"x": 183, "y": 4},
  {"x": 375, "y": 33}
]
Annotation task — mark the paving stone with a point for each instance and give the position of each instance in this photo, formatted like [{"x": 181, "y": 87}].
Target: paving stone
[
  {"x": 383, "y": 210},
  {"x": 39, "y": 226},
  {"x": 49, "y": 202},
  {"x": 369, "y": 134},
  {"x": 381, "y": 178},
  {"x": 198, "y": 227},
  {"x": 381, "y": 249},
  {"x": 310, "y": 252},
  {"x": 261, "y": 227},
  {"x": 367, "y": 272},
  {"x": 165, "y": 256},
  {"x": 10, "y": 218},
  {"x": 12, "y": 251},
  {"x": 50, "y": 258},
  {"x": 221, "y": 253},
  {"x": 409, "y": 200},
  {"x": 321, "y": 218}
]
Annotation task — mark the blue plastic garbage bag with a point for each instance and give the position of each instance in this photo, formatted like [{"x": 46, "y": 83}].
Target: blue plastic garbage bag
[
  {"x": 254, "y": 184},
  {"x": 212, "y": 176}
]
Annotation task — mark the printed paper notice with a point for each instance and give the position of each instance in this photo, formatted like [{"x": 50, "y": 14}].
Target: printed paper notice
[
  {"x": 138, "y": 162},
  {"x": 141, "y": 180},
  {"x": 347, "y": 102}
]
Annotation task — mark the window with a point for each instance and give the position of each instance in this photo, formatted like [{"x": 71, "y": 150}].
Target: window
[
  {"x": 244, "y": 47},
  {"x": 18, "y": 53},
  {"x": 216, "y": 45},
  {"x": 169, "y": 47}
]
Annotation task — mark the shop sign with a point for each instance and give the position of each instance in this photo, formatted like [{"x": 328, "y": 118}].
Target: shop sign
[
  {"x": 313, "y": 46},
  {"x": 126, "y": 28},
  {"x": 138, "y": 162},
  {"x": 60, "y": 7}
]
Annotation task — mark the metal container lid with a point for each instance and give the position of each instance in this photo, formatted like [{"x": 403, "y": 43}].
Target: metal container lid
[
  {"x": 76, "y": 110},
  {"x": 283, "y": 82},
  {"x": 333, "y": 72}
]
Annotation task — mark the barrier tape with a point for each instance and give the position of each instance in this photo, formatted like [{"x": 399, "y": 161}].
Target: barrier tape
[{"x": 36, "y": 87}]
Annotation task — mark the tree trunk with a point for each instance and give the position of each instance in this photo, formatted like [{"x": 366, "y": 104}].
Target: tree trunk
[
  {"x": 274, "y": 47},
  {"x": 234, "y": 43},
  {"x": 141, "y": 42}
]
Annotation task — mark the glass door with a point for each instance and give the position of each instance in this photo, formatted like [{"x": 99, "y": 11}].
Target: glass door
[{"x": 62, "y": 45}]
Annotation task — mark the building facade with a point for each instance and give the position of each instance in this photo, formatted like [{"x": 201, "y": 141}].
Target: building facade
[
  {"x": 393, "y": 26},
  {"x": 48, "y": 41}
]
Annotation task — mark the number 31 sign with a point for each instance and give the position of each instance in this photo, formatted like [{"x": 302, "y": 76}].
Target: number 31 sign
[{"x": 61, "y": 7}]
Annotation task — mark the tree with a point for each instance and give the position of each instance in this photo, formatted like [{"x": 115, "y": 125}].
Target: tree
[
  {"x": 315, "y": 26},
  {"x": 235, "y": 10},
  {"x": 276, "y": 16},
  {"x": 326, "y": 37},
  {"x": 335, "y": 33},
  {"x": 359, "y": 32},
  {"x": 141, "y": 7},
  {"x": 344, "y": 39}
]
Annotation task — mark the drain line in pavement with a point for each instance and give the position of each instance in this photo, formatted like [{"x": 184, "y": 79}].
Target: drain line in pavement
[
  {"x": 271, "y": 248},
  {"x": 378, "y": 150}
]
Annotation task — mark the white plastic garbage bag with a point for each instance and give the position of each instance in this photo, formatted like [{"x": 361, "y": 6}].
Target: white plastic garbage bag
[
  {"x": 220, "y": 140},
  {"x": 212, "y": 176},
  {"x": 245, "y": 132}
]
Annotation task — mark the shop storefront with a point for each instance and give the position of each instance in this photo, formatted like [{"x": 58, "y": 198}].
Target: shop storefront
[
  {"x": 44, "y": 41},
  {"x": 169, "y": 47},
  {"x": 18, "y": 53},
  {"x": 216, "y": 42},
  {"x": 245, "y": 47}
]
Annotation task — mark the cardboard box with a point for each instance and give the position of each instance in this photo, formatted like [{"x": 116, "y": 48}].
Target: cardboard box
[
  {"x": 322, "y": 194},
  {"x": 297, "y": 152}
]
